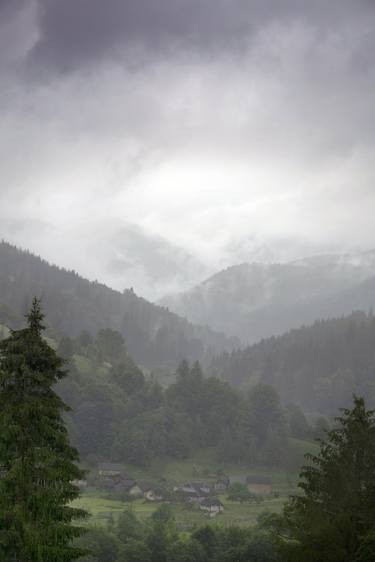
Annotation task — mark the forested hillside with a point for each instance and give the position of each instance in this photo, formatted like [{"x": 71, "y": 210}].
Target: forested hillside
[
  {"x": 154, "y": 336},
  {"x": 255, "y": 301},
  {"x": 318, "y": 367},
  {"x": 119, "y": 414}
]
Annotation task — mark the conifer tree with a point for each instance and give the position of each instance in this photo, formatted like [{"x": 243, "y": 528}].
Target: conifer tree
[
  {"x": 335, "y": 515},
  {"x": 38, "y": 465}
]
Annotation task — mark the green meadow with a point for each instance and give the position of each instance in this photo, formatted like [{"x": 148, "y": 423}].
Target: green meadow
[
  {"x": 202, "y": 466},
  {"x": 103, "y": 511}
]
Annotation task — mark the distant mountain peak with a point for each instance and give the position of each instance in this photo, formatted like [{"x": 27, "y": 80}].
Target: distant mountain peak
[{"x": 256, "y": 300}]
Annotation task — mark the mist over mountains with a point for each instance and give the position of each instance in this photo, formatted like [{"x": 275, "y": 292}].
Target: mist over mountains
[
  {"x": 317, "y": 367},
  {"x": 154, "y": 336},
  {"x": 255, "y": 301},
  {"x": 127, "y": 255},
  {"x": 123, "y": 254},
  {"x": 246, "y": 302},
  {"x": 118, "y": 253}
]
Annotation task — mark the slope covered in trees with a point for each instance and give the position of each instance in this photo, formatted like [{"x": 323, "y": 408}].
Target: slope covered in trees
[
  {"x": 154, "y": 336},
  {"x": 255, "y": 301},
  {"x": 119, "y": 414},
  {"x": 318, "y": 367}
]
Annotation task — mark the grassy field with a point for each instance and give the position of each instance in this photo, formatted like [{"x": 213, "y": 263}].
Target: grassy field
[
  {"x": 203, "y": 466},
  {"x": 188, "y": 517}
]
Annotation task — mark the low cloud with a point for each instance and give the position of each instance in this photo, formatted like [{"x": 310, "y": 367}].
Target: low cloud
[{"x": 211, "y": 129}]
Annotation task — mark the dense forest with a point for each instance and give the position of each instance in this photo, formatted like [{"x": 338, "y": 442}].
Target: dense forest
[
  {"x": 130, "y": 540},
  {"x": 122, "y": 415},
  {"x": 154, "y": 336},
  {"x": 318, "y": 367}
]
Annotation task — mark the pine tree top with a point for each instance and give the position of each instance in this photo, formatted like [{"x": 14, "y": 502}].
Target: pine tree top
[{"x": 35, "y": 317}]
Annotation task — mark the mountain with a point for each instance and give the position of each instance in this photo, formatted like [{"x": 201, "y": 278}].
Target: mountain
[
  {"x": 318, "y": 367},
  {"x": 271, "y": 249},
  {"x": 125, "y": 255},
  {"x": 254, "y": 301},
  {"x": 154, "y": 336},
  {"x": 119, "y": 253}
]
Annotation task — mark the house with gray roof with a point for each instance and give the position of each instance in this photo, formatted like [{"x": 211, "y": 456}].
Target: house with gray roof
[{"x": 212, "y": 506}]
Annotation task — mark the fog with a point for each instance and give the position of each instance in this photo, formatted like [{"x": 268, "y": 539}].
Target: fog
[
  {"x": 187, "y": 280},
  {"x": 150, "y": 144}
]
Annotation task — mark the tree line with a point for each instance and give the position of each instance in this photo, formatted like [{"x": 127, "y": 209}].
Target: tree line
[
  {"x": 159, "y": 540},
  {"x": 154, "y": 335},
  {"x": 317, "y": 367},
  {"x": 122, "y": 415}
]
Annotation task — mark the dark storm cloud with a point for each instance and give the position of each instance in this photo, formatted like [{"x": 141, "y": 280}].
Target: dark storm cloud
[
  {"x": 77, "y": 31},
  {"x": 74, "y": 32},
  {"x": 9, "y": 7}
]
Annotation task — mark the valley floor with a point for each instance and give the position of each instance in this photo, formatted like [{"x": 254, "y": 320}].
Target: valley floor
[{"x": 104, "y": 509}]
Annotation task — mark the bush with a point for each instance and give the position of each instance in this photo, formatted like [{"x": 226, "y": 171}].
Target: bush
[{"x": 239, "y": 493}]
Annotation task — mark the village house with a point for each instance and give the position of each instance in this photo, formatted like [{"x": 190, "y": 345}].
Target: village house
[
  {"x": 185, "y": 488},
  {"x": 113, "y": 478},
  {"x": 191, "y": 487},
  {"x": 193, "y": 491},
  {"x": 212, "y": 506},
  {"x": 261, "y": 485},
  {"x": 194, "y": 496},
  {"x": 202, "y": 487},
  {"x": 151, "y": 492},
  {"x": 130, "y": 486},
  {"x": 121, "y": 484}
]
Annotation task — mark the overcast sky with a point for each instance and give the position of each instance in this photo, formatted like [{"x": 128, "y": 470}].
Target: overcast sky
[{"x": 219, "y": 126}]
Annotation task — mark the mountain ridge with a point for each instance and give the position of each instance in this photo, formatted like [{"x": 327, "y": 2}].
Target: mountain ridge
[
  {"x": 254, "y": 300},
  {"x": 154, "y": 335},
  {"x": 318, "y": 367}
]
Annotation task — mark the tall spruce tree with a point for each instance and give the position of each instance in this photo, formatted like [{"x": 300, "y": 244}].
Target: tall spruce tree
[
  {"x": 37, "y": 462},
  {"x": 334, "y": 519}
]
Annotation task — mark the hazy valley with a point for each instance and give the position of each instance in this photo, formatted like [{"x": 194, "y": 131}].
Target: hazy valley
[{"x": 187, "y": 281}]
